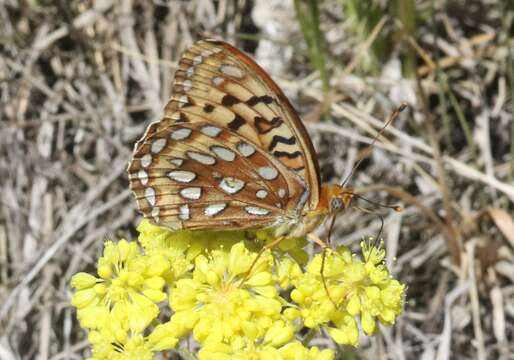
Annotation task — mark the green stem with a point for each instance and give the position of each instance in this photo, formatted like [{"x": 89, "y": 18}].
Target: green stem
[{"x": 310, "y": 27}]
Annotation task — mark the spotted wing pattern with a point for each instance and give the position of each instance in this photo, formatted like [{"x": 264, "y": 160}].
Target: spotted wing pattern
[
  {"x": 230, "y": 152},
  {"x": 196, "y": 175}
]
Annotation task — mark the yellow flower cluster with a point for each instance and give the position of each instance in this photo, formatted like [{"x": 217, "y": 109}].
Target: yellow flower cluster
[
  {"x": 232, "y": 309},
  {"x": 355, "y": 289}
]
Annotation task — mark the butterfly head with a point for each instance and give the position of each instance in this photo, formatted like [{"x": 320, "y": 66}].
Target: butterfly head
[{"x": 335, "y": 198}]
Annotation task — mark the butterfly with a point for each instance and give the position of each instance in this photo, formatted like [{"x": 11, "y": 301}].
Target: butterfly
[{"x": 230, "y": 153}]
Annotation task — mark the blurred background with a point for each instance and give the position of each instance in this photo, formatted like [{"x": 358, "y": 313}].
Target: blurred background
[{"x": 80, "y": 81}]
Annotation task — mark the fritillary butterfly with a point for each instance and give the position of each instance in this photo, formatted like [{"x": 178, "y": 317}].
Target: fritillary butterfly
[{"x": 230, "y": 153}]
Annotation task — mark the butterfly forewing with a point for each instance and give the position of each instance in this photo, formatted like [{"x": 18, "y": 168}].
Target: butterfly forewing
[
  {"x": 215, "y": 73},
  {"x": 230, "y": 152}
]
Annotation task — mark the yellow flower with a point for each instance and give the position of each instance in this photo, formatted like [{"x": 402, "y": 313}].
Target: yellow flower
[
  {"x": 240, "y": 348},
  {"x": 191, "y": 243},
  {"x": 296, "y": 350},
  {"x": 165, "y": 336},
  {"x": 345, "y": 330},
  {"x": 382, "y": 297},
  {"x": 291, "y": 246},
  {"x": 116, "y": 341},
  {"x": 216, "y": 304},
  {"x": 128, "y": 282},
  {"x": 357, "y": 288},
  {"x": 232, "y": 313},
  {"x": 288, "y": 272},
  {"x": 245, "y": 349},
  {"x": 180, "y": 248}
]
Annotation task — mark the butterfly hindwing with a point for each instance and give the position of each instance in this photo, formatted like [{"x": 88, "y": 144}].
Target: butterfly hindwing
[{"x": 197, "y": 175}]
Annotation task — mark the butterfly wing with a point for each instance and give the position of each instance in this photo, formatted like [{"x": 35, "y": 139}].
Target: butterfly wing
[
  {"x": 223, "y": 99},
  {"x": 196, "y": 175}
]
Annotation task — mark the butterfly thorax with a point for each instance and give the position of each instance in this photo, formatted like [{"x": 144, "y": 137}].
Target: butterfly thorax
[{"x": 333, "y": 199}]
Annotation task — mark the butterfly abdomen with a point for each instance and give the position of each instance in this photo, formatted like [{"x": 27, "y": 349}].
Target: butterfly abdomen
[{"x": 299, "y": 226}]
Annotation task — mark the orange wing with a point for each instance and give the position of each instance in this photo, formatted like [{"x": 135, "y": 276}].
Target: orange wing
[{"x": 222, "y": 100}]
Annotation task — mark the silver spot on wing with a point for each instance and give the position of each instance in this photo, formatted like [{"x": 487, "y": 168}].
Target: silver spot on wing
[
  {"x": 232, "y": 71},
  {"x": 181, "y": 176},
  {"x": 217, "y": 80},
  {"x": 261, "y": 194},
  {"x": 180, "y": 134},
  {"x": 183, "y": 212},
  {"x": 245, "y": 149},
  {"x": 150, "y": 196},
  {"x": 214, "y": 209},
  {"x": 210, "y": 130},
  {"x": 192, "y": 193},
  {"x": 146, "y": 160},
  {"x": 201, "y": 158},
  {"x": 197, "y": 60},
  {"x": 268, "y": 173},
  {"x": 255, "y": 210},
  {"x": 158, "y": 145},
  {"x": 231, "y": 185},
  {"x": 223, "y": 153},
  {"x": 176, "y": 161},
  {"x": 187, "y": 84}
]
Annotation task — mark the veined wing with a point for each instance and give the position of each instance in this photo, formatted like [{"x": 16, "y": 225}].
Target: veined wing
[
  {"x": 194, "y": 175},
  {"x": 217, "y": 83}
]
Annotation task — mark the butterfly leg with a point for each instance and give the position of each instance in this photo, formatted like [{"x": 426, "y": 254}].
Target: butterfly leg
[
  {"x": 324, "y": 246},
  {"x": 264, "y": 248}
]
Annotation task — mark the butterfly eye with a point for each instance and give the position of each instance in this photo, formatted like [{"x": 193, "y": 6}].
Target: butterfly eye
[{"x": 336, "y": 204}]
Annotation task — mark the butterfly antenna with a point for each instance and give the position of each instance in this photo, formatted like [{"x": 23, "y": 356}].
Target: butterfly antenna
[
  {"x": 391, "y": 118},
  {"x": 396, "y": 208}
]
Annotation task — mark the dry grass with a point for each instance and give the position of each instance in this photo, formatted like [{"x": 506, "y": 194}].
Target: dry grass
[{"x": 79, "y": 82}]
